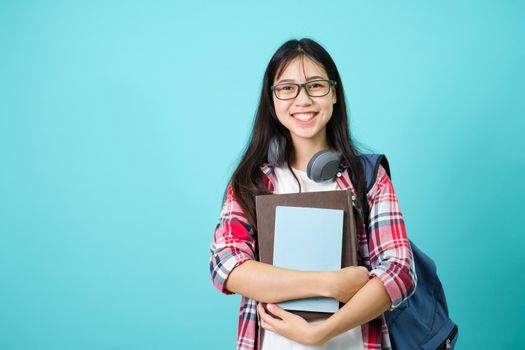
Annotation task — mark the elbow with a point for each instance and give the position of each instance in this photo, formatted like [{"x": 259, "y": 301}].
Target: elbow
[
  {"x": 222, "y": 263},
  {"x": 400, "y": 282},
  {"x": 406, "y": 288},
  {"x": 219, "y": 274},
  {"x": 412, "y": 276},
  {"x": 408, "y": 285},
  {"x": 408, "y": 278}
]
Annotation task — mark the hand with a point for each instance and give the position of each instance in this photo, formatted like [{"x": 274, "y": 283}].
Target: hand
[
  {"x": 346, "y": 282},
  {"x": 290, "y": 325}
]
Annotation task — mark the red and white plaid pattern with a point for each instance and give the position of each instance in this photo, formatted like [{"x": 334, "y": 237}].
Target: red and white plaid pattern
[{"x": 385, "y": 251}]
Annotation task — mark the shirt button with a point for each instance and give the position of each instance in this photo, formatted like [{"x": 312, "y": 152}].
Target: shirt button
[{"x": 339, "y": 174}]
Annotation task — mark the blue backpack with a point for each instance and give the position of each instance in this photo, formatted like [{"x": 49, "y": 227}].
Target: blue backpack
[{"x": 422, "y": 321}]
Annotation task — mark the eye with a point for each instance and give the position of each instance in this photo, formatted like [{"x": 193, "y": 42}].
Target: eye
[{"x": 285, "y": 87}]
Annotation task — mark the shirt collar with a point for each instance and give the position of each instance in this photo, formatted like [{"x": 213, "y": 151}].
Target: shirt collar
[{"x": 342, "y": 178}]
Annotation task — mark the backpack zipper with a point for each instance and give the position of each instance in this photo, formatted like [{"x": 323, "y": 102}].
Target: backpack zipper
[{"x": 447, "y": 344}]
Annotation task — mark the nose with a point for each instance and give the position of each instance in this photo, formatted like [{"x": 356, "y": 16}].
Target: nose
[{"x": 303, "y": 97}]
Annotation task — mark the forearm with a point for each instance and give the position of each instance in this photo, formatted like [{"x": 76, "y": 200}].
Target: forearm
[
  {"x": 270, "y": 284},
  {"x": 367, "y": 304}
]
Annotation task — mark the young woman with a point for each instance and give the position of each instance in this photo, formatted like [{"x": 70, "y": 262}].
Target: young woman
[{"x": 302, "y": 103}]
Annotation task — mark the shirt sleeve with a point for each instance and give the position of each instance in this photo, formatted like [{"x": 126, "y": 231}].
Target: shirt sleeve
[
  {"x": 390, "y": 252},
  {"x": 232, "y": 244}
]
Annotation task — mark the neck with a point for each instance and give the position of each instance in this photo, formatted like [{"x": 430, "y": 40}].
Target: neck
[{"x": 303, "y": 151}]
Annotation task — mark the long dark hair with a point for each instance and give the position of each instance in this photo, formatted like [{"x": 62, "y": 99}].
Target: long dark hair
[{"x": 246, "y": 179}]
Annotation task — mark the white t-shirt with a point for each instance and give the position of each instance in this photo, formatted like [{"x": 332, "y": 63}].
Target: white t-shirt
[{"x": 349, "y": 340}]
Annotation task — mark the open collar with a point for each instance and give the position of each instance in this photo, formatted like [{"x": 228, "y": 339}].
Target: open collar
[{"x": 342, "y": 177}]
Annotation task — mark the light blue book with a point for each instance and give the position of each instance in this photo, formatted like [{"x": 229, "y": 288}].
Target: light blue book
[{"x": 308, "y": 239}]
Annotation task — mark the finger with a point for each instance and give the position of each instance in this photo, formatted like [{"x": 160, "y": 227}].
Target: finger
[
  {"x": 278, "y": 311},
  {"x": 261, "y": 310},
  {"x": 263, "y": 314},
  {"x": 272, "y": 322},
  {"x": 267, "y": 326}
]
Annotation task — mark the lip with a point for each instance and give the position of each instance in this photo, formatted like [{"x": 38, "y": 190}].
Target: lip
[
  {"x": 302, "y": 112},
  {"x": 305, "y": 122}
]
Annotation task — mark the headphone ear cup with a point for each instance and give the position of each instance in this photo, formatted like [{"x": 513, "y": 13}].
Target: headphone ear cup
[
  {"x": 276, "y": 151},
  {"x": 323, "y": 166}
]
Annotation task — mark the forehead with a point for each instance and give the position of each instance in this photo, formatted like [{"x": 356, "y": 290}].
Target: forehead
[{"x": 299, "y": 69}]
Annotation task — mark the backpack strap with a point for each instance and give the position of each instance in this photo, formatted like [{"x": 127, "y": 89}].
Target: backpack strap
[{"x": 370, "y": 163}]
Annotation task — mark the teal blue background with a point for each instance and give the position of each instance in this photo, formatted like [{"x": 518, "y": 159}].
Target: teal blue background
[{"x": 121, "y": 122}]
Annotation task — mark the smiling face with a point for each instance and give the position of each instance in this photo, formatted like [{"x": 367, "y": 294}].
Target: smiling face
[{"x": 305, "y": 116}]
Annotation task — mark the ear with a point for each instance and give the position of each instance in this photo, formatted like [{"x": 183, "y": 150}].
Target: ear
[{"x": 334, "y": 94}]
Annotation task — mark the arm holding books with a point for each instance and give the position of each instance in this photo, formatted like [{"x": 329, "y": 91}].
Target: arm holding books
[
  {"x": 233, "y": 267},
  {"x": 269, "y": 284},
  {"x": 392, "y": 281},
  {"x": 367, "y": 304}
]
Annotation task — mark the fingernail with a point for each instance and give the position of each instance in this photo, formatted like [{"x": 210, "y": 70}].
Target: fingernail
[{"x": 270, "y": 306}]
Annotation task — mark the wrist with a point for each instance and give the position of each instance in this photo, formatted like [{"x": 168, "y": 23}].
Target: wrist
[
  {"x": 325, "y": 284},
  {"x": 321, "y": 332}
]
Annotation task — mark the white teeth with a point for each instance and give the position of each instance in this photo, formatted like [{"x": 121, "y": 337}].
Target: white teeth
[{"x": 304, "y": 116}]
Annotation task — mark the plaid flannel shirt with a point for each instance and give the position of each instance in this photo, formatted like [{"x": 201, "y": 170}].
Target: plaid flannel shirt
[{"x": 385, "y": 251}]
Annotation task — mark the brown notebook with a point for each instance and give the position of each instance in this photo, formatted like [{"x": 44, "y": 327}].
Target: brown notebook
[{"x": 265, "y": 209}]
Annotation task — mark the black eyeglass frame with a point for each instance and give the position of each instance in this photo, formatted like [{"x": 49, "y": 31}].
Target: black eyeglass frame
[{"x": 300, "y": 86}]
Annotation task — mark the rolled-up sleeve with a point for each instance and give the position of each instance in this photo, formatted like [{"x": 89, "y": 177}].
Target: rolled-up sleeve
[
  {"x": 389, "y": 248},
  {"x": 232, "y": 243}
]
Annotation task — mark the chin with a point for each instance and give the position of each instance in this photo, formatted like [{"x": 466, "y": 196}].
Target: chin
[{"x": 308, "y": 136}]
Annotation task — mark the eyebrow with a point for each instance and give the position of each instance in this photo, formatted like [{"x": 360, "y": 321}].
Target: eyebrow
[{"x": 307, "y": 79}]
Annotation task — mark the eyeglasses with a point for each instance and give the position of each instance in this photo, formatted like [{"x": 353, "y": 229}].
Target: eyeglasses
[{"x": 314, "y": 88}]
